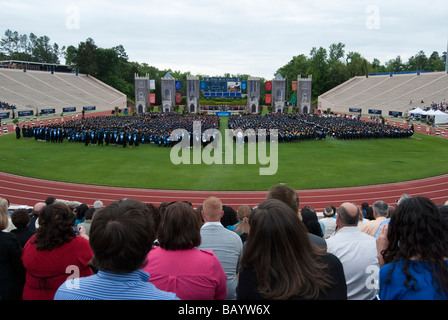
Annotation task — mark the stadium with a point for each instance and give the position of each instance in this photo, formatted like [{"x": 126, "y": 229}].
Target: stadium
[
  {"x": 316, "y": 183},
  {"x": 63, "y": 97}
]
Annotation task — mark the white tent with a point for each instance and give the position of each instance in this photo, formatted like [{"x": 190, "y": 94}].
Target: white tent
[
  {"x": 417, "y": 111},
  {"x": 429, "y": 113},
  {"x": 440, "y": 117}
]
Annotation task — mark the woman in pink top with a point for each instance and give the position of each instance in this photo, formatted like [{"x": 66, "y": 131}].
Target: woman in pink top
[{"x": 177, "y": 266}]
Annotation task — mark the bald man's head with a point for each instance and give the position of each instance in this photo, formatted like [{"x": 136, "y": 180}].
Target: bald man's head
[{"x": 348, "y": 214}]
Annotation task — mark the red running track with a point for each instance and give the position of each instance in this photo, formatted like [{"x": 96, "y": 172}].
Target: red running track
[{"x": 28, "y": 191}]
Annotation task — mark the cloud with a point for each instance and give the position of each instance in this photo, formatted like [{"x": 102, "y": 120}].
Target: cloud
[{"x": 236, "y": 36}]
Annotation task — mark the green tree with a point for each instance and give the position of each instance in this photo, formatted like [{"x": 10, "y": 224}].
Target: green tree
[
  {"x": 357, "y": 65},
  {"x": 10, "y": 42},
  {"x": 436, "y": 62},
  {"x": 337, "y": 52},
  {"x": 85, "y": 57},
  {"x": 337, "y": 74},
  {"x": 319, "y": 69},
  {"x": 43, "y": 51}
]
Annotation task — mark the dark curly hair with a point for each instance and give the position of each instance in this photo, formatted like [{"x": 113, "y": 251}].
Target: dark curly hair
[
  {"x": 417, "y": 231},
  {"x": 56, "y": 227},
  {"x": 20, "y": 218}
]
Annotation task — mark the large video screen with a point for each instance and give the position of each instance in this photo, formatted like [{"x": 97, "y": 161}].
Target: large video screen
[{"x": 222, "y": 87}]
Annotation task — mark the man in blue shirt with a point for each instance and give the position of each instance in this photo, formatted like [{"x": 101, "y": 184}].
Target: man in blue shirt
[{"x": 121, "y": 235}]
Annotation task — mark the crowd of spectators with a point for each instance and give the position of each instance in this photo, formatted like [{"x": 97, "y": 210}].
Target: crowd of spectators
[
  {"x": 442, "y": 106},
  {"x": 6, "y": 106},
  {"x": 275, "y": 251}
]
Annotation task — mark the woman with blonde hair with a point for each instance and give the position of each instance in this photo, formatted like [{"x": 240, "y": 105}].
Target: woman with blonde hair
[
  {"x": 242, "y": 227},
  {"x": 10, "y": 264}
]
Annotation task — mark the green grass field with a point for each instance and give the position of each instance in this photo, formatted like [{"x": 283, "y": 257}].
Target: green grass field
[{"x": 302, "y": 165}]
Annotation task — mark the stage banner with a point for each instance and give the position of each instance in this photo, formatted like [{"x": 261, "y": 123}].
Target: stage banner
[
  {"x": 294, "y": 85},
  {"x": 293, "y": 99},
  {"x": 178, "y": 85},
  {"x": 395, "y": 113},
  {"x": 48, "y": 111},
  {"x": 223, "y": 114},
  {"x": 244, "y": 85},
  {"x": 374, "y": 111},
  {"x": 70, "y": 109},
  {"x": 268, "y": 98},
  {"x": 4, "y": 115},
  {"x": 152, "y": 84},
  {"x": 203, "y": 85},
  {"x": 268, "y": 85},
  {"x": 152, "y": 98},
  {"x": 26, "y": 113},
  {"x": 178, "y": 97}
]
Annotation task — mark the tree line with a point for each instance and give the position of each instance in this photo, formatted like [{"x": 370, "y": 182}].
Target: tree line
[
  {"x": 328, "y": 67},
  {"x": 334, "y": 66}
]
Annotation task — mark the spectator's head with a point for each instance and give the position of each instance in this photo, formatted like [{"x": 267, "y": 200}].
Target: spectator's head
[
  {"x": 121, "y": 236},
  {"x": 20, "y": 218},
  {"x": 244, "y": 213},
  {"x": 229, "y": 217},
  {"x": 417, "y": 230},
  {"x": 286, "y": 194},
  {"x": 4, "y": 215},
  {"x": 403, "y": 197},
  {"x": 97, "y": 205},
  {"x": 89, "y": 214},
  {"x": 348, "y": 215},
  {"x": 309, "y": 218},
  {"x": 390, "y": 211},
  {"x": 281, "y": 254},
  {"x": 179, "y": 228},
  {"x": 380, "y": 209},
  {"x": 81, "y": 211},
  {"x": 50, "y": 200},
  {"x": 38, "y": 207},
  {"x": 364, "y": 205},
  {"x": 56, "y": 227},
  {"x": 329, "y": 211},
  {"x": 212, "y": 210}
]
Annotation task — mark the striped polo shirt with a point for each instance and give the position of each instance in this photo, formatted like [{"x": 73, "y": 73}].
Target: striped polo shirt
[{"x": 112, "y": 286}]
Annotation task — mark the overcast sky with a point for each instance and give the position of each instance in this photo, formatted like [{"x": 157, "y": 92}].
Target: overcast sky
[{"x": 254, "y": 37}]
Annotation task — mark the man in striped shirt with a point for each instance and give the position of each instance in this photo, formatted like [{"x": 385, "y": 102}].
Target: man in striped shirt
[{"x": 121, "y": 236}]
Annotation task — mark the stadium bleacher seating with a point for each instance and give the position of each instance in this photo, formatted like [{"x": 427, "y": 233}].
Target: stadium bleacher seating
[
  {"x": 399, "y": 92},
  {"x": 43, "y": 90}
]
